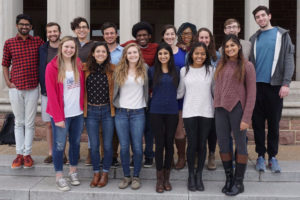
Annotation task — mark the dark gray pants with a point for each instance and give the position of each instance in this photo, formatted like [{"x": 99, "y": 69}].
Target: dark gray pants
[{"x": 227, "y": 123}]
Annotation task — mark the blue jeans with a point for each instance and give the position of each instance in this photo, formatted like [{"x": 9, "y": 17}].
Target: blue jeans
[
  {"x": 95, "y": 115},
  {"x": 130, "y": 125},
  {"x": 148, "y": 138},
  {"x": 74, "y": 126}
]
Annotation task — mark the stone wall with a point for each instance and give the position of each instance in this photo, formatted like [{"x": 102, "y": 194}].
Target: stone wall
[{"x": 289, "y": 130}]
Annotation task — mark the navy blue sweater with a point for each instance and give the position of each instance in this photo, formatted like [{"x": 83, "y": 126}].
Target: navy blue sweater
[{"x": 163, "y": 94}]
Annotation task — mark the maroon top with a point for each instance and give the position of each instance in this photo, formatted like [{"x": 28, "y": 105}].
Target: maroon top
[
  {"x": 24, "y": 57},
  {"x": 229, "y": 90}
]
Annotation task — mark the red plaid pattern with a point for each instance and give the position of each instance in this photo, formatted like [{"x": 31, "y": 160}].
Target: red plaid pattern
[{"x": 24, "y": 57}]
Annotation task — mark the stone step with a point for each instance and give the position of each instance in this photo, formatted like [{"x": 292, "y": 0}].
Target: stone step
[
  {"x": 290, "y": 171},
  {"x": 37, "y": 188}
]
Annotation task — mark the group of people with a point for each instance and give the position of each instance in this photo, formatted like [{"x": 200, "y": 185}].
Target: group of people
[{"x": 179, "y": 88}]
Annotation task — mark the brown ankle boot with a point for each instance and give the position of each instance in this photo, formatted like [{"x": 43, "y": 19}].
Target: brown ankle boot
[
  {"x": 104, "y": 179},
  {"x": 167, "y": 184},
  {"x": 95, "y": 180},
  {"x": 180, "y": 145},
  {"x": 160, "y": 181},
  {"x": 88, "y": 161}
]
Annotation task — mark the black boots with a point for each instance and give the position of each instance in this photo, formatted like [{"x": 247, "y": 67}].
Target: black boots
[
  {"x": 229, "y": 176},
  {"x": 238, "y": 186},
  {"x": 199, "y": 182},
  {"x": 191, "y": 182}
]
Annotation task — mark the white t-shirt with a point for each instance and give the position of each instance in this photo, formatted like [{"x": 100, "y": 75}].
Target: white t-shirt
[
  {"x": 196, "y": 89},
  {"x": 132, "y": 94},
  {"x": 71, "y": 96}
]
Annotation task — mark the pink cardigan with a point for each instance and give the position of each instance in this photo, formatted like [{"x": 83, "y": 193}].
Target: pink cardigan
[{"x": 55, "y": 90}]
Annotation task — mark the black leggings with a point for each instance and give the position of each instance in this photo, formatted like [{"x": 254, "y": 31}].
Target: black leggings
[
  {"x": 197, "y": 130},
  {"x": 212, "y": 138},
  {"x": 164, "y": 127}
]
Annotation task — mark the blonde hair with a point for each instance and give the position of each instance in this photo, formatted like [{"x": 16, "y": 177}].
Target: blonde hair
[
  {"x": 61, "y": 64},
  {"x": 121, "y": 71}
]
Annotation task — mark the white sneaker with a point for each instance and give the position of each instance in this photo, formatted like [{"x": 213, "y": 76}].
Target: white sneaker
[
  {"x": 62, "y": 184},
  {"x": 74, "y": 179}
]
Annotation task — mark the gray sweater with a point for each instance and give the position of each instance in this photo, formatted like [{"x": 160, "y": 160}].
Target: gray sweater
[{"x": 283, "y": 63}]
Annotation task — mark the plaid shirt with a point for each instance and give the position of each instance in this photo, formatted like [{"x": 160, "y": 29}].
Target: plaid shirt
[{"x": 24, "y": 57}]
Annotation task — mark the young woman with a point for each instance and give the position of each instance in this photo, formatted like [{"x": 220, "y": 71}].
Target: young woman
[
  {"x": 65, "y": 89},
  {"x": 234, "y": 99},
  {"x": 204, "y": 35},
  {"x": 186, "y": 36},
  {"x": 195, "y": 85},
  {"x": 98, "y": 108},
  {"x": 130, "y": 99},
  {"x": 169, "y": 37},
  {"x": 163, "y": 78}
]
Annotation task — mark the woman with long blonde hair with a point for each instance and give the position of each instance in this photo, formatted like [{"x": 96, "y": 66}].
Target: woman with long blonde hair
[
  {"x": 65, "y": 89},
  {"x": 130, "y": 99}
]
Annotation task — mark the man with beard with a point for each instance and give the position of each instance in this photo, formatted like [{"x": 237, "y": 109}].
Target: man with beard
[
  {"x": 22, "y": 53},
  {"x": 46, "y": 53},
  {"x": 272, "y": 54}
]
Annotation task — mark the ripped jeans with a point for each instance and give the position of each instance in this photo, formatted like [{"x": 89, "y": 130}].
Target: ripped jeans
[{"x": 74, "y": 127}]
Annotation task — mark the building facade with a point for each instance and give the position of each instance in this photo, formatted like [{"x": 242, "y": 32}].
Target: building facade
[{"x": 125, "y": 13}]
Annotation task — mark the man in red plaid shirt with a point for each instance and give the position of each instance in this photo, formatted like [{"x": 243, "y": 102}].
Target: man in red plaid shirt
[{"x": 21, "y": 52}]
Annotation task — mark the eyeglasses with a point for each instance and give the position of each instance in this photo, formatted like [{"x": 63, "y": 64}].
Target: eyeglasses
[
  {"x": 25, "y": 25},
  {"x": 231, "y": 27},
  {"x": 81, "y": 27}
]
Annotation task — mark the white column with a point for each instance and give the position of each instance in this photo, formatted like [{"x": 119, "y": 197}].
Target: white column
[
  {"x": 64, "y": 11},
  {"x": 130, "y": 14},
  {"x": 298, "y": 43},
  {"x": 250, "y": 25},
  {"x": 200, "y": 13},
  {"x": 9, "y": 9}
]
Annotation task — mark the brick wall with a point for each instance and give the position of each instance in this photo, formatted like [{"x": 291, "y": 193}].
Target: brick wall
[{"x": 289, "y": 130}]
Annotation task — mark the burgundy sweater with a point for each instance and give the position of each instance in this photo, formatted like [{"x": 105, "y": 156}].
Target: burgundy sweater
[{"x": 229, "y": 91}]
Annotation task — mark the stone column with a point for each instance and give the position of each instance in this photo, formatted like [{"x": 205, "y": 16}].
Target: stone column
[
  {"x": 9, "y": 9},
  {"x": 130, "y": 14},
  {"x": 250, "y": 24},
  {"x": 200, "y": 13},
  {"x": 298, "y": 43},
  {"x": 64, "y": 11}
]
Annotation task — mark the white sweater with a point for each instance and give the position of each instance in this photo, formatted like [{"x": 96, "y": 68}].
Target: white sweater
[{"x": 195, "y": 87}]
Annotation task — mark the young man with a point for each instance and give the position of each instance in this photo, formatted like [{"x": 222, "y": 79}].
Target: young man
[
  {"x": 272, "y": 53},
  {"x": 46, "y": 53},
  {"x": 142, "y": 32},
  {"x": 110, "y": 35},
  {"x": 81, "y": 28},
  {"x": 232, "y": 26},
  {"x": 22, "y": 52}
]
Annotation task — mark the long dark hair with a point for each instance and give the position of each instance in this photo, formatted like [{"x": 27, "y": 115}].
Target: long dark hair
[
  {"x": 171, "y": 66},
  {"x": 240, "y": 70},
  {"x": 212, "y": 46},
  {"x": 92, "y": 63},
  {"x": 190, "y": 60}
]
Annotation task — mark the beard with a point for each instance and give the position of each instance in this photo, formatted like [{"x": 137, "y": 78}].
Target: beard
[{"x": 24, "y": 33}]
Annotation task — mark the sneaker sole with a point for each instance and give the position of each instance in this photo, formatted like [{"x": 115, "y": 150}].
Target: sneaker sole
[
  {"x": 147, "y": 166},
  {"x": 16, "y": 167},
  {"x": 65, "y": 189},
  {"x": 88, "y": 164},
  {"x": 26, "y": 167}
]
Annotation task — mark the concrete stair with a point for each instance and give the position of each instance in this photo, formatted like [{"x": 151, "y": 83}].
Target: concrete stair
[{"x": 39, "y": 183}]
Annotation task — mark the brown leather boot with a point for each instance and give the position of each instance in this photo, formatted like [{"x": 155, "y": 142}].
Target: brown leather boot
[
  {"x": 104, "y": 179},
  {"x": 180, "y": 145},
  {"x": 167, "y": 184},
  {"x": 160, "y": 181},
  {"x": 95, "y": 180}
]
